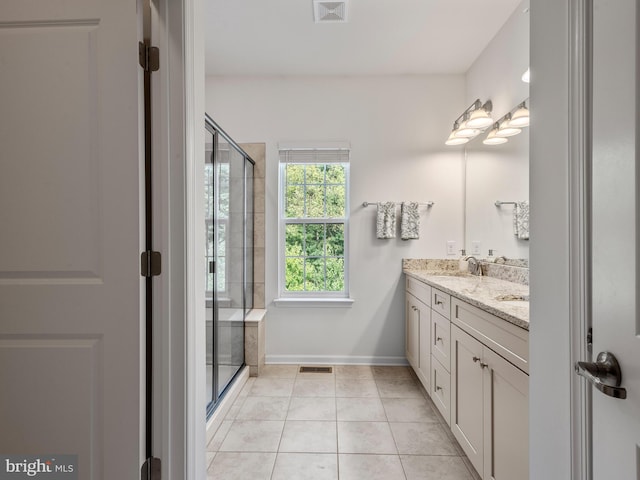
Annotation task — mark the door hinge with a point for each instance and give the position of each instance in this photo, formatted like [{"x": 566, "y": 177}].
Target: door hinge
[
  {"x": 150, "y": 263},
  {"x": 149, "y": 57},
  {"x": 151, "y": 469}
]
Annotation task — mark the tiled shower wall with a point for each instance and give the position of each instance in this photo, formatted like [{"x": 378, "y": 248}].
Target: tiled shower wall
[{"x": 257, "y": 152}]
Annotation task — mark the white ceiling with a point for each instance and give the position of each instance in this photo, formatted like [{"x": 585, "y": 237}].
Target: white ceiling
[{"x": 381, "y": 37}]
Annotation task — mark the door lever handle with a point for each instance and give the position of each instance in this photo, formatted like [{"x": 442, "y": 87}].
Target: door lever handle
[{"x": 604, "y": 374}]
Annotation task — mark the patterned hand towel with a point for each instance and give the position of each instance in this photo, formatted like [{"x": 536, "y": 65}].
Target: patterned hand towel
[
  {"x": 386, "y": 222},
  {"x": 410, "y": 221},
  {"x": 521, "y": 220}
]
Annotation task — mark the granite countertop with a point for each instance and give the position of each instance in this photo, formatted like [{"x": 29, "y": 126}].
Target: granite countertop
[{"x": 493, "y": 295}]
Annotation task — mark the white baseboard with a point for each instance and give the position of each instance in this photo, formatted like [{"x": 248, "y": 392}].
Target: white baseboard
[{"x": 335, "y": 360}]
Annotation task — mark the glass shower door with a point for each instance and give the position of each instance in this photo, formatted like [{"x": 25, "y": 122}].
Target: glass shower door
[
  {"x": 229, "y": 257},
  {"x": 228, "y": 253},
  {"x": 209, "y": 282}
]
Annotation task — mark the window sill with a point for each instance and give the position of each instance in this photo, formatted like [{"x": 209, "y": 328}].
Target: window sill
[{"x": 314, "y": 302}]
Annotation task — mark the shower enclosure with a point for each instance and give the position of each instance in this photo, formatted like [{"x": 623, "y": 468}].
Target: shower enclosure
[{"x": 229, "y": 257}]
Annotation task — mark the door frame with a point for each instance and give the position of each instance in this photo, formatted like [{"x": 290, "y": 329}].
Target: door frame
[
  {"x": 580, "y": 195},
  {"x": 179, "y": 300},
  {"x": 194, "y": 97},
  {"x": 560, "y": 408}
]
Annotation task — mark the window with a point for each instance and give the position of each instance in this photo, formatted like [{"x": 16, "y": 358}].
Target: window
[
  {"x": 314, "y": 193},
  {"x": 220, "y": 206}
]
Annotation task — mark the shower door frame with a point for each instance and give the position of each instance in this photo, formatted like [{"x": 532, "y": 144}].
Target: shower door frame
[{"x": 217, "y": 132}]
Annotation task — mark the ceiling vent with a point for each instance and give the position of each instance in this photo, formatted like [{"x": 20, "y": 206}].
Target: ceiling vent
[{"x": 329, "y": 12}]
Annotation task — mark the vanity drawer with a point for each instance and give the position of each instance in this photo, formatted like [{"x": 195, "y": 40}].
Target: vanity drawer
[
  {"x": 504, "y": 338},
  {"x": 440, "y": 302},
  {"x": 441, "y": 389},
  {"x": 420, "y": 290},
  {"x": 441, "y": 339}
]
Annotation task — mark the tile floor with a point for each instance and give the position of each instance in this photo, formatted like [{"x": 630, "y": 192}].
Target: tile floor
[{"x": 356, "y": 423}]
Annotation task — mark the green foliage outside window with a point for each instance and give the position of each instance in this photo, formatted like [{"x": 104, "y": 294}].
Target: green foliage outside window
[
  {"x": 315, "y": 212},
  {"x": 222, "y": 216}
]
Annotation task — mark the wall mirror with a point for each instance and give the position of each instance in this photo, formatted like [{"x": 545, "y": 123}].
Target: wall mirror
[{"x": 498, "y": 172}]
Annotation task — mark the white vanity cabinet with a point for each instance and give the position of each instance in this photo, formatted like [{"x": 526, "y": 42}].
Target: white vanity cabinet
[
  {"x": 489, "y": 400},
  {"x": 475, "y": 367},
  {"x": 418, "y": 329},
  {"x": 428, "y": 340}
]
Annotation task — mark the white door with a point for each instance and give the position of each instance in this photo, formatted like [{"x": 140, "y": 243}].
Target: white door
[
  {"x": 616, "y": 324},
  {"x": 70, "y": 310}
]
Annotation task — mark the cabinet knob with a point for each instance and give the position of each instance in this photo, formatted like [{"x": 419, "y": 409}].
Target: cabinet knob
[
  {"x": 439, "y": 302},
  {"x": 438, "y": 388},
  {"x": 484, "y": 365},
  {"x": 438, "y": 339},
  {"x": 476, "y": 359}
]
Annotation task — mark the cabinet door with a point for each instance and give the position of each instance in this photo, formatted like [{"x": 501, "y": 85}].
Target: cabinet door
[
  {"x": 467, "y": 395},
  {"x": 424, "y": 370},
  {"x": 441, "y": 389},
  {"x": 506, "y": 417},
  {"x": 412, "y": 327},
  {"x": 441, "y": 339}
]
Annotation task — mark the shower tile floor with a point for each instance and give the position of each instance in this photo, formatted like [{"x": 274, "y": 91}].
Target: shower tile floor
[{"x": 356, "y": 423}]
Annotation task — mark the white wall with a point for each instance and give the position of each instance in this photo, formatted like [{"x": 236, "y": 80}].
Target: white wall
[
  {"x": 396, "y": 126},
  {"x": 499, "y": 172},
  {"x": 549, "y": 335}
]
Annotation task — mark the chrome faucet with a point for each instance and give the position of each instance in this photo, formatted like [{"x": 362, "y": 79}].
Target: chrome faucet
[{"x": 474, "y": 266}]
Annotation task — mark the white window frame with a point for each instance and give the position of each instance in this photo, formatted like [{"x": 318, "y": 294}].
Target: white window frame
[{"x": 314, "y": 155}]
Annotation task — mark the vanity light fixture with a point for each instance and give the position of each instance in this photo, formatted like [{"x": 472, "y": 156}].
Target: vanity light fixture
[
  {"x": 493, "y": 139},
  {"x": 506, "y": 129},
  {"x": 520, "y": 117},
  {"x": 465, "y": 130},
  {"x": 471, "y": 123},
  {"x": 508, "y": 125},
  {"x": 481, "y": 117},
  {"x": 455, "y": 140}
]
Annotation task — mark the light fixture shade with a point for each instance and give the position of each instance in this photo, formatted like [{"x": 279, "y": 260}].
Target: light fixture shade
[
  {"x": 453, "y": 140},
  {"x": 508, "y": 131},
  {"x": 520, "y": 117},
  {"x": 492, "y": 139},
  {"x": 479, "y": 118},
  {"x": 505, "y": 129},
  {"x": 466, "y": 132}
]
